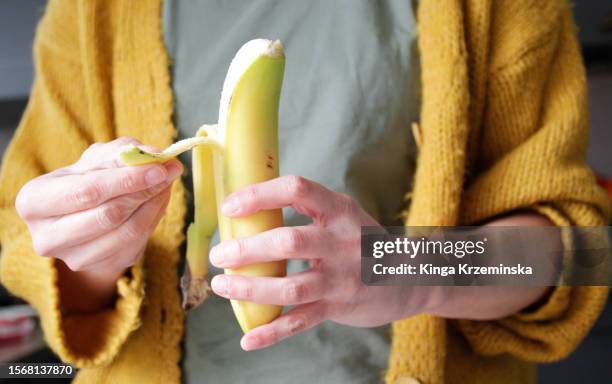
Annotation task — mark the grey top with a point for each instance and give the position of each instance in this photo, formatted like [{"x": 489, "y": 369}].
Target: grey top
[{"x": 350, "y": 94}]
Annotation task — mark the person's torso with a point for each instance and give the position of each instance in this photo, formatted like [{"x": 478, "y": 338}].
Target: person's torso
[{"x": 349, "y": 96}]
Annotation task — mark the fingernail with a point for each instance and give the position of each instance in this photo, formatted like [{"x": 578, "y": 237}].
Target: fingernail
[
  {"x": 155, "y": 175},
  {"x": 174, "y": 170},
  {"x": 217, "y": 256},
  {"x": 230, "y": 206},
  {"x": 219, "y": 285},
  {"x": 221, "y": 254}
]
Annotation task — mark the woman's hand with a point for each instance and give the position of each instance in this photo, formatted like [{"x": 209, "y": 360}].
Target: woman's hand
[
  {"x": 96, "y": 215},
  {"x": 331, "y": 289}
]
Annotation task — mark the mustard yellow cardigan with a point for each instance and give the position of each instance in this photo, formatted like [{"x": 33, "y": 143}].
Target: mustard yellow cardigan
[{"x": 504, "y": 126}]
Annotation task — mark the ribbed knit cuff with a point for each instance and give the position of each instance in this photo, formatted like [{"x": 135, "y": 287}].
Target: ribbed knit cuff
[{"x": 84, "y": 340}]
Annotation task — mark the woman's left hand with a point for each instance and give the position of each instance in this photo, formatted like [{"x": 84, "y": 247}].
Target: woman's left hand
[{"x": 332, "y": 288}]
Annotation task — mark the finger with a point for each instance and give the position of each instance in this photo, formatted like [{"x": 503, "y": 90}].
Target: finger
[
  {"x": 114, "y": 264},
  {"x": 73, "y": 193},
  {"x": 106, "y": 249},
  {"x": 297, "y": 320},
  {"x": 118, "y": 263},
  {"x": 80, "y": 227},
  {"x": 300, "y": 288},
  {"x": 305, "y": 196},
  {"x": 107, "y": 155},
  {"x": 305, "y": 242},
  {"x": 104, "y": 154}
]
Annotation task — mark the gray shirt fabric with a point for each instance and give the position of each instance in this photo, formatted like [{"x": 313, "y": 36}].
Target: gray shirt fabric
[{"x": 350, "y": 94}]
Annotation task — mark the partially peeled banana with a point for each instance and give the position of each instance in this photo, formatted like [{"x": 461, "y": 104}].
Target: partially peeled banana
[{"x": 242, "y": 149}]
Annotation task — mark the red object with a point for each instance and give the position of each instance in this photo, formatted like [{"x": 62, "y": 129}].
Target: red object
[
  {"x": 606, "y": 184},
  {"x": 16, "y": 323}
]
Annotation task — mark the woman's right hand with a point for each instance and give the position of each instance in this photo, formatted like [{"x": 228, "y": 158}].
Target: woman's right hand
[{"x": 97, "y": 214}]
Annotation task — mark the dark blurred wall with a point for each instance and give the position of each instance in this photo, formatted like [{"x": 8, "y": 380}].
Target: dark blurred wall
[
  {"x": 595, "y": 20},
  {"x": 18, "y": 19}
]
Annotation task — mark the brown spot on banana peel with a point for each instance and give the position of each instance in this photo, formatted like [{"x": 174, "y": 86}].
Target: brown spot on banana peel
[{"x": 270, "y": 162}]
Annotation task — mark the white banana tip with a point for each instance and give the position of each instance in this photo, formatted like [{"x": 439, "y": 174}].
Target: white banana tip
[{"x": 275, "y": 49}]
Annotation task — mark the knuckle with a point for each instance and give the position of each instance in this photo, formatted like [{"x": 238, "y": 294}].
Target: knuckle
[
  {"x": 250, "y": 194},
  {"x": 294, "y": 293},
  {"x": 87, "y": 194},
  {"x": 239, "y": 248},
  {"x": 291, "y": 241},
  {"x": 131, "y": 231},
  {"x": 110, "y": 216},
  {"x": 297, "y": 323},
  {"x": 271, "y": 335},
  {"x": 22, "y": 204},
  {"x": 247, "y": 291},
  {"x": 151, "y": 192},
  {"x": 43, "y": 247},
  {"x": 92, "y": 148},
  {"x": 297, "y": 186},
  {"x": 130, "y": 181},
  {"x": 123, "y": 140},
  {"x": 242, "y": 289},
  {"x": 76, "y": 264}
]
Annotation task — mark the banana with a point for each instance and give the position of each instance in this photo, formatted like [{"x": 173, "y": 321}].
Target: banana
[
  {"x": 248, "y": 123},
  {"x": 242, "y": 149}
]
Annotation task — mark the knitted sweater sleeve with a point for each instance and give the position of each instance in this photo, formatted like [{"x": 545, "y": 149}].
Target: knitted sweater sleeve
[
  {"x": 532, "y": 156},
  {"x": 56, "y": 128}
]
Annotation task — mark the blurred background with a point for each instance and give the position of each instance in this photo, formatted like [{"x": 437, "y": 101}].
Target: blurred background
[{"x": 20, "y": 338}]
